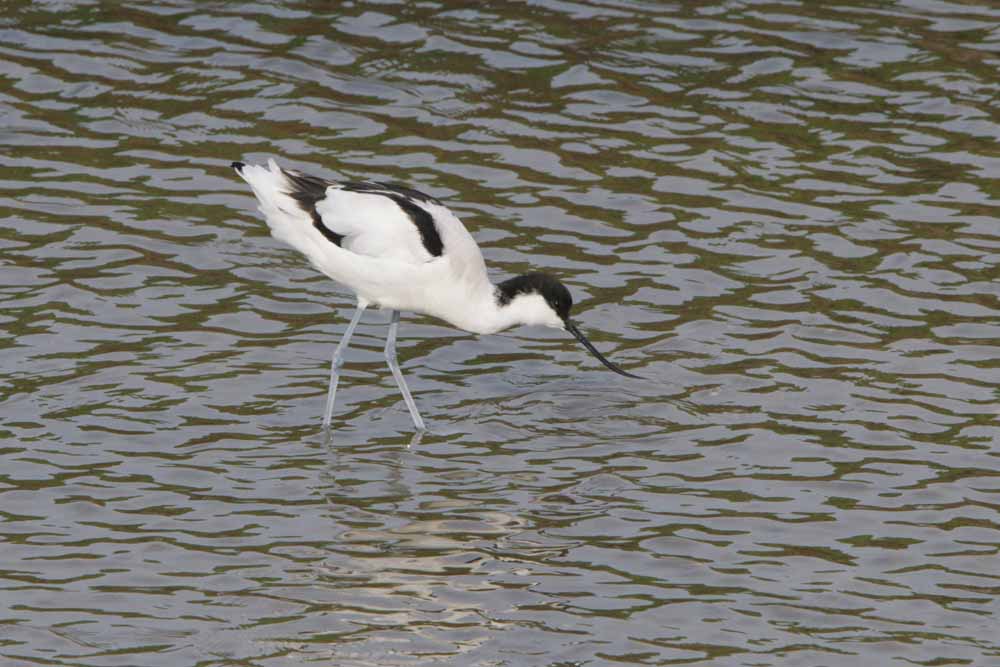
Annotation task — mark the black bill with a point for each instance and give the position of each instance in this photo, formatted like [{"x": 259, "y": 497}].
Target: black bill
[{"x": 571, "y": 327}]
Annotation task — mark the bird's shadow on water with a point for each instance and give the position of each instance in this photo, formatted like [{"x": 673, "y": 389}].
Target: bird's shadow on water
[
  {"x": 351, "y": 463},
  {"x": 368, "y": 486},
  {"x": 328, "y": 434},
  {"x": 538, "y": 404}
]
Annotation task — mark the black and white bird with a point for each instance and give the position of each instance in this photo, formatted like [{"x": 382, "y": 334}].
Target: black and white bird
[{"x": 402, "y": 250}]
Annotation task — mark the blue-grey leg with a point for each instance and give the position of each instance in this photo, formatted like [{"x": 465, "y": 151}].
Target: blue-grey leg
[
  {"x": 390, "y": 357},
  {"x": 338, "y": 361}
]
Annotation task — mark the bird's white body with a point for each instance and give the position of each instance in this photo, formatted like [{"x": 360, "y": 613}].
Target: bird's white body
[
  {"x": 403, "y": 250},
  {"x": 383, "y": 259}
]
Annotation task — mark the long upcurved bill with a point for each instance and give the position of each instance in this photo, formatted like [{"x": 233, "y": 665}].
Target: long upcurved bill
[{"x": 571, "y": 327}]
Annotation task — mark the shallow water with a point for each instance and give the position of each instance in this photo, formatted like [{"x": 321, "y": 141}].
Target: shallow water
[{"x": 784, "y": 215}]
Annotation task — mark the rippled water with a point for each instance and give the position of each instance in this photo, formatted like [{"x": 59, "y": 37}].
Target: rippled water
[{"x": 785, "y": 214}]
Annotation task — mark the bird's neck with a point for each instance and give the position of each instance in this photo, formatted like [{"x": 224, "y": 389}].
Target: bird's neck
[
  {"x": 508, "y": 307},
  {"x": 490, "y": 308},
  {"x": 500, "y": 317}
]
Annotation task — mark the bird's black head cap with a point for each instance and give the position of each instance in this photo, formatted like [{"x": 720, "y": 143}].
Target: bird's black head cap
[
  {"x": 553, "y": 291},
  {"x": 557, "y": 297}
]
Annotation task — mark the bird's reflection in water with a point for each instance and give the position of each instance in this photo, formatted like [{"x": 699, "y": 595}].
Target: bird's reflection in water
[{"x": 364, "y": 484}]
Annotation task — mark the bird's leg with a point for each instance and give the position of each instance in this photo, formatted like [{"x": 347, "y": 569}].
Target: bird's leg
[
  {"x": 338, "y": 360},
  {"x": 390, "y": 357}
]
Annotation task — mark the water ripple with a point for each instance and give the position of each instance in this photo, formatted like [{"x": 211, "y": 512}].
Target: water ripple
[{"x": 783, "y": 216}]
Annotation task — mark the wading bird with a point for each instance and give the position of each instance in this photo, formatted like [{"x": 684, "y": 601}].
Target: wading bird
[{"x": 402, "y": 250}]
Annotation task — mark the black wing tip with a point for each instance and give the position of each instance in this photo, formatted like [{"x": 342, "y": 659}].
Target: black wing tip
[{"x": 238, "y": 166}]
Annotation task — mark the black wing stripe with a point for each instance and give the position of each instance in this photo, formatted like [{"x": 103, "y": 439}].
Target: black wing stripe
[
  {"x": 307, "y": 191},
  {"x": 381, "y": 188},
  {"x": 425, "y": 224},
  {"x": 406, "y": 199}
]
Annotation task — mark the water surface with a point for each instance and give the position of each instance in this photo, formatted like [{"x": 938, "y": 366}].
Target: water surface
[{"x": 784, "y": 215}]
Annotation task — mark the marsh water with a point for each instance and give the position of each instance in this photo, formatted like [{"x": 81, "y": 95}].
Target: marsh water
[{"x": 783, "y": 214}]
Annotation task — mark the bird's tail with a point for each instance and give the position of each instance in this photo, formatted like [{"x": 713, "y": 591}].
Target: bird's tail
[
  {"x": 283, "y": 214},
  {"x": 268, "y": 183}
]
